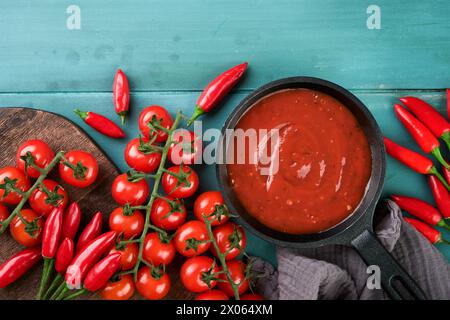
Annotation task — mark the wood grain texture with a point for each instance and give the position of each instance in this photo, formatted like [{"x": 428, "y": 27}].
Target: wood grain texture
[{"x": 19, "y": 124}]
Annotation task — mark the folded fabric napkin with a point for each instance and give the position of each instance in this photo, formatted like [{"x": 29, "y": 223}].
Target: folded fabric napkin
[{"x": 338, "y": 272}]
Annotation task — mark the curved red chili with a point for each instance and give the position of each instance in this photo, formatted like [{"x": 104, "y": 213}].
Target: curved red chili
[
  {"x": 433, "y": 235},
  {"x": 71, "y": 221},
  {"x": 51, "y": 234},
  {"x": 64, "y": 255},
  {"x": 91, "y": 231},
  {"x": 100, "y": 274},
  {"x": 217, "y": 89},
  {"x": 87, "y": 257},
  {"x": 101, "y": 124},
  {"x": 16, "y": 266},
  {"x": 441, "y": 196},
  {"x": 447, "y": 175},
  {"x": 421, "y": 134},
  {"x": 420, "y": 209},
  {"x": 429, "y": 116},
  {"x": 121, "y": 94}
]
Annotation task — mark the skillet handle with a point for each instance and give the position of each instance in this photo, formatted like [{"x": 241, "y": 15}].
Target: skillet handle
[{"x": 398, "y": 284}]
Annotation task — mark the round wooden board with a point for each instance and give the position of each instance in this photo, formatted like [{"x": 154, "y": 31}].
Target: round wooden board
[{"x": 20, "y": 124}]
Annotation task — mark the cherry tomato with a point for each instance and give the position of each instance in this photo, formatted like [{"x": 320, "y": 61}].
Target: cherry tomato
[
  {"x": 158, "y": 250},
  {"x": 128, "y": 222},
  {"x": 129, "y": 255},
  {"x": 180, "y": 187},
  {"x": 211, "y": 204},
  {"x": 212, "y": 295},
  {"x": 186, "y": 148},
  {"x": 4, "y": 213},
  {"x": 140, "y": 156},
  {"x": 11, "y": 174},
  {"x": 86, "y": 171},
  {"x": 45, "y": 198},
  {"x": 19, "y": 231},
  {"x": 198, "y": 274},
  {"x": 122, "y": 289},
  {"x": 192, "y": 239},
  {"x": 237, "y": 272},
  {"x": 41, "y": 153},
  {"x": 227, "y": 236},
  {"x": 251, "y": 296},
  {"x": 168, "y": 216},
  {"x": 132, "y": 192},
  {"x": 152, "y": 285},
  {"x": 158, "y": 116}
]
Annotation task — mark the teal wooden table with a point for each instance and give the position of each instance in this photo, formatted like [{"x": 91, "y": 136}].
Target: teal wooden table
[{"x": 60, "y": 55}]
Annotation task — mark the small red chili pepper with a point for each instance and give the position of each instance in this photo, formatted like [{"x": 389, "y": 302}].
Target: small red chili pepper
[
  {"x": 421, "y": 134},
  {"x": 413, "y": 160},
  {"x": 217, "y": 89},
  {"x": 430, "y": 117},
  {"x": 87, "y": 257},
  {"x": 64, "y": 255},
  {"x": 420, "y": 209},
  {"x": 91, "y": 231},
  {"x": 121, "y": 94},
  {"x": 51, "y": 234},
  {"x": 71, "y": 221},
  {"x": 16, "y": 266},
  {"x": 447, "y": 175},
  {"x": 101, "y": 124},
  {"x": 433, "y": 235},
  {"x": 100, "y": 274},
  {"x": 441, "y": 196}
]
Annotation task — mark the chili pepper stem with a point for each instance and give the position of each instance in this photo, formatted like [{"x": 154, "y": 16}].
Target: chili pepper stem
[
  {"x": 122, "y": 118},
  {"x": 443, "y": 241},
  {"x": 46, "y": 271},
  {"x": 437, "y": 154},
  {"x": 58, "y": 291},
  {"x": 434, "y": 171},
  {"x": 446, "y": 138},
  {"x": 76, "y": 294},
  {"x": 197, "y": 113},
  {"x": 442, "y": 224},
  {"x": 63, "y": 292},
  {"x": 54, "y": 285}
]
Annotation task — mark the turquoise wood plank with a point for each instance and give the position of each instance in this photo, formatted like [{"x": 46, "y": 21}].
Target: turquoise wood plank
[
  {"x": 182, "y": 44},
  {"x": 399, "y": 179}
]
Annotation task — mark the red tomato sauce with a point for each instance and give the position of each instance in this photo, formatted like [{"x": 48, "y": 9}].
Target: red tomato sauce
[{"x": 324, "y": 163}]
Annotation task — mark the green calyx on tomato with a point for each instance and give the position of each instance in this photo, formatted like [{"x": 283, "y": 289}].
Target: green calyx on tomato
[
  {"x": 175, "y": 206},
  {"x": 148, "y": 147},
  {"x": 193, "y": 244},
  {"x": 155, "y": 125},
  {"x": 221, "y": 211},
  {"x": 53, "y": 197},
  {"x": 79, "y": 171},
  {"x": 210, "y": 276},
  {"x": 164, "y": 237},
  {"x": 28, "y": 160},
  {"x": 134, "y": 176},
  {"x": 32, "y": 227},
  {"x": 9, "y": 185}
]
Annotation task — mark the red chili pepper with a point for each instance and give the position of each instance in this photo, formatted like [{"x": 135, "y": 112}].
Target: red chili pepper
[
  {"x": 91, "y": 231},
  {"x": 420, "y": 209},
  {"x": 121, "y": 94},
  {"x": 15, "y": 267},
  {"x": 64, "y": 255},
  {"x": 413, "y": 160},
  {"x": 51, "y": 234},
  {"x": 101, "y": 124},
  {"x": 430, "y": 117},
  {"x": 421, "y": 134},
  {"x": 71, "y": 221},
  {"x": 100, "y": 274},
  {"x": 87, "y": 257},
  {"x": 447, "y": 175},
  {"x": 433, "y": 235},
  {"x": 441, "y": 196},
  {"x": 448, "y": 103},
  {"x": 217, "y": 89}
]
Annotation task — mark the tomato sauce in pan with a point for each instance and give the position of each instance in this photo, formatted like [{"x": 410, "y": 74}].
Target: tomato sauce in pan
[{"x": 324, "y": 162}]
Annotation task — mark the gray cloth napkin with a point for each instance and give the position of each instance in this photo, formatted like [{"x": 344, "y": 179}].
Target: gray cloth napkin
[{"x": 338, "y": 272}]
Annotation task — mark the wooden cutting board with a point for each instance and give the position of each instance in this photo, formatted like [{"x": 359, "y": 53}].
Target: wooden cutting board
[{"x": 20, "y": 124}]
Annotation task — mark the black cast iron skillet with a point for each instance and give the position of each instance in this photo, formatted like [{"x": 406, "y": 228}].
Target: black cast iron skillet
[{"x": 357, "y": 230}]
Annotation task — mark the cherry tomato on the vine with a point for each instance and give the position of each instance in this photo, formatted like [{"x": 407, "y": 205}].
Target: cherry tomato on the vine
[
  {"x": 40, "y": 152},
  {"x": 230, "y": 238},
  {"x": 126, "y": 221},
  {"x": 4, "y": 213},
  {"x": 237, "y": 271},
  {"x": 251, "y": 296},
  {"x": 132, "y": 192},
  {"x": 121, "y": 289},
  {"x": 142, "y": 156},
  {"x": 12, "y": 177},
  {"x": 158, "y": 249},
  {"x": 129, "y": 255},
  {"x": 210, "y": 204},
  {"x": 182, "y": 183},
  {"x": 82, "y": 169},
  {"x": 168, "y": 215},
  {"x": 186, "y": 148},
  {"x": 48, "y": 196},
  {"x": 212, "y": 295},
  {"x": 153, "y": 117},
  {"x": 152, "y": 284},
  {"x": 27, "y": 235},
  {"x": 199, "y": 274},
  {"x": 192, "y": 239}
]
